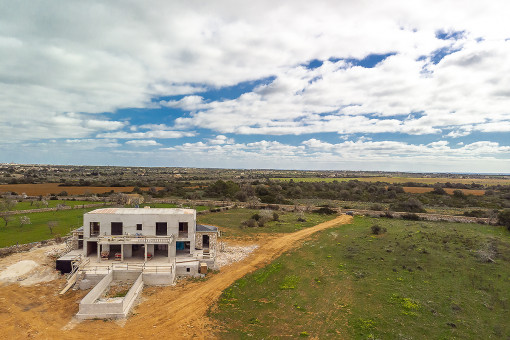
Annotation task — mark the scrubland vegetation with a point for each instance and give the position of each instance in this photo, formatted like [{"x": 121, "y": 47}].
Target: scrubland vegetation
[{"x": 401, "y": 279}]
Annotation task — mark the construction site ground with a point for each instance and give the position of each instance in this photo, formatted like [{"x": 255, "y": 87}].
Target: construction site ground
[{"x": 31, "y": 307}]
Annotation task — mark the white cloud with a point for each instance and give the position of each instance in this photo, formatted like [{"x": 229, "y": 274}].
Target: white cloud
[
  {"x": 142, "y": 143},
  {"x": 66, "y": 70},
  {"x": 148, "y": 134}
]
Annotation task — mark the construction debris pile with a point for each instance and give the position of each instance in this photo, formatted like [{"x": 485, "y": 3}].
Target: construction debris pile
[{"x": 230, "y": 254}]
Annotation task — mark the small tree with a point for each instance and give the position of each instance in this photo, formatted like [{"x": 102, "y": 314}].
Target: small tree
[
  {"x": 4, "y": 215},
  {"x": 51, "y": 225},
  {"x": 504, "y": 218},
  {"x": 24, "y": 220}
]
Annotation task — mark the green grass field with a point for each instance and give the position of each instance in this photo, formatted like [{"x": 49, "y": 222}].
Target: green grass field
[
  {"x": 230, "y": 222},
  {"x": 419, "y": 280},
  {"x": 51, "y": 204},
  {"x": 38, "y": 229}
]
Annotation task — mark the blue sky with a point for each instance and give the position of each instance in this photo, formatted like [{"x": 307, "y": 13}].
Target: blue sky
[{"x": 399, "y": 85}]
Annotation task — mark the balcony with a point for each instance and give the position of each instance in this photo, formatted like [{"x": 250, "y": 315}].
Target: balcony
[{"x": 132, "y": 239}]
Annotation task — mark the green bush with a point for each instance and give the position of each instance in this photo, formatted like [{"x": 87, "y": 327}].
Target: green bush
[
  {"x": 411, "y": 217},
  {"x": 377, "y": 229},
  {"x": 504, "y": 218}
]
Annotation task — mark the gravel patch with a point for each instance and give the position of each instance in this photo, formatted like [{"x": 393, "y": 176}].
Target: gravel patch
[{"x": 231, "y": 254}]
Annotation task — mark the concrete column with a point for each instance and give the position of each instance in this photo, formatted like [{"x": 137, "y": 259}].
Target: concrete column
[
  {"x": 98, "y": 252},
  {"x": 122, "y": 253},
  {"x": 168, "y": 251},
  {"x": 145, "y": 248}
]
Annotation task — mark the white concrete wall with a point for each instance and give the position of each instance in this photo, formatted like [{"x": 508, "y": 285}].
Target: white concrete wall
[
  {"x": 159, "y": 279},
  {"x": 181, "y": 268},
  {"x": 89, "y": 309},
  {"x": 96, "y": 291},
  {"x": 132, "y": 294},
  {"x": 147, "y": 220}
]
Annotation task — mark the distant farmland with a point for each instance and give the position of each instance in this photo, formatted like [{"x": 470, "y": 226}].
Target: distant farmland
[
  {"x": 399, "y": 180},
  {"x": 449, "y": 191},
  {"x": 54, "y": 188}
]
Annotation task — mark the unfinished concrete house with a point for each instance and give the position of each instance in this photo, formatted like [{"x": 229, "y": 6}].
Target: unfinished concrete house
[
  {"x": 161, "y": 235},
  {"x": 141, "y": 245}
]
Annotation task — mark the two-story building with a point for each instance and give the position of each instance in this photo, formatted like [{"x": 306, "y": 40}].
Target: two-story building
[{"x": 143, "y": 234}]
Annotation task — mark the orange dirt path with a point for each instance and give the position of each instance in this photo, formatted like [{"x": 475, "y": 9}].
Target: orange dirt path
[{"x": 168, "y": 313}]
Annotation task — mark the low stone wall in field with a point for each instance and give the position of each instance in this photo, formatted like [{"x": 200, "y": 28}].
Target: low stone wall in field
[
  {"x": 428, "y": 217},
  {"x": 27, "y": 246},
  {"x": 65, "y": 207}
]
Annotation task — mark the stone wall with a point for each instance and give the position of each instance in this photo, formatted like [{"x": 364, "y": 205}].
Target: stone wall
[
  {"x": 428, "y": 217},
  {"x": 27, "y": 246},
  {"x": 67, "y": 207},
  {"x": 213, "y": 239}
]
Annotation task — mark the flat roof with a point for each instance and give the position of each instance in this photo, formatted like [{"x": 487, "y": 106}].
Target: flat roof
[
  {"x": 143, "y": 211},
  {"x": 206, "y": 228}
]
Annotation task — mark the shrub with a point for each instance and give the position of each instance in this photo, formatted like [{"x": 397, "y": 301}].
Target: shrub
[
  {"x": 388, "y": 214},
  {"x": 411, "y": 217},
  {"x": 504, "y": 218},
  {"x": 377, "y": 207},
  {"x": 251, "y": 223},
  {"x": 458, "y": 194},
  {"x": 411, "y": 205},
  {"x": 377, "y": 229},
  {"x": 276, "y": 217},
  {"x": 325, "y": 211},
  {"x": 438, "y": 190},
  {"x": 476, "y": 213}
]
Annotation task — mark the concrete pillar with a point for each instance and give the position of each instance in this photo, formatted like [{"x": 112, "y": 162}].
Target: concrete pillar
[
  {"x": 122, "y": 253},
  {"x": 98, "y": 252},
  {"x": 172, "y": 248},
  {"x": 168, "y": 251},
  {"x": 145, "y": 248},
  {"x": 128, "y": 251}
]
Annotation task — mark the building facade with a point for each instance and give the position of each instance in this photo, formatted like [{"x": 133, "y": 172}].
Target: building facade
[{"x": 144, "y": 234}]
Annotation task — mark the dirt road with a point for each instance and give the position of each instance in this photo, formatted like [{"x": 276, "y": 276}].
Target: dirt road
[{"x": 174, "y": 312}]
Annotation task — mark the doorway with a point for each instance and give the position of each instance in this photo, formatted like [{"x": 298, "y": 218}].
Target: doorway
[{"x": 205, "y": 241}]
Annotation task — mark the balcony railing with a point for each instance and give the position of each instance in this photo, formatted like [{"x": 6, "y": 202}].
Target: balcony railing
[{"x": 133, "y": 239}]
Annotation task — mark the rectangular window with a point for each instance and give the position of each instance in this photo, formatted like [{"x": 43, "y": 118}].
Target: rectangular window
[
  {"x": 94, "y": 228},
  {"x": 138, "y": 227},
  {"x": 183, "y": 227},
  {"x": 116, "y": 228},
  {"x": 161, "y": 228}
]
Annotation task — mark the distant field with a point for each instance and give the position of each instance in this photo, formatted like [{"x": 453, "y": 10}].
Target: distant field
[
  {"x": 169, "y": 205},
  {"x": 419, "y": 280},
  {"x": 51, "y": 204},
  {"x": 230, "y": 222},
  {"x": 449, "y": 191},
  {"x": 38, "y": 229},
  {"x": 397, "y": 180},
  {"x": 54, "y": 188}
]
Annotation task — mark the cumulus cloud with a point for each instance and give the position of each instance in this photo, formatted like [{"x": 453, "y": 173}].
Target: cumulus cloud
[
  {"x": 142, "y": 143},
  {"x": 67, "y": 71}
]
